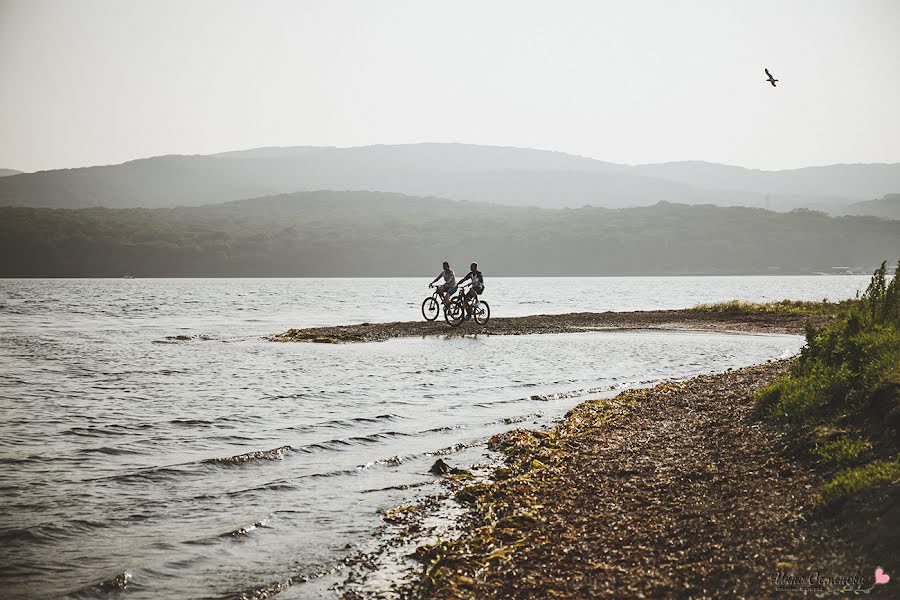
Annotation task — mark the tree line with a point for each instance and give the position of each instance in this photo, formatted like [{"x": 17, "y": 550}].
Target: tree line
[{"x": 315, "y": 234}]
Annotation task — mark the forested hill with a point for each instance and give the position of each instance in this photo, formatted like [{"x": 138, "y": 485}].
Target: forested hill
[
  {"x": 369, "y": 234},
  {"x": 886, "y": 208}
]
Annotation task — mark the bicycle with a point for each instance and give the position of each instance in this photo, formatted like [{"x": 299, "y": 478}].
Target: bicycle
[
  {"x": 462, "y": 309},
  {"x": 431, "y": 306}
]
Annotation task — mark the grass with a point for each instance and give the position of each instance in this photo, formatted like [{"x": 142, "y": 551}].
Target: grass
[
  {"x": 847, "y": 380},
  {"x": 794, "y": 307},
  {"x": 843, "y": 450},
  {"x": 853, "y": 482}
]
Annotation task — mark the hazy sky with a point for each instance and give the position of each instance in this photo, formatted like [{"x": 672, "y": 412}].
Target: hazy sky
[{"x": 98, "y": 82}]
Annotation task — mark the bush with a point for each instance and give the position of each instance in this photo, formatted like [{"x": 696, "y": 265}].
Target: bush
[
  {"x": 844, "y": 360},
  {"x": 848, "y": 363}
]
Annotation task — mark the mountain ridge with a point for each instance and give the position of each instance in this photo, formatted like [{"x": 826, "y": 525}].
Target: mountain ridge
[{"x": 505, "y": 175}]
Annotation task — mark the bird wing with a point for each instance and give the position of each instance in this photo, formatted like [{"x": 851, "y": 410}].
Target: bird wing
[{"x": 769, "y": 75}]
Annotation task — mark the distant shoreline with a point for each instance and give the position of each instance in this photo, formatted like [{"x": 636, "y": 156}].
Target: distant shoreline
[{"x": 664, "y": 320}]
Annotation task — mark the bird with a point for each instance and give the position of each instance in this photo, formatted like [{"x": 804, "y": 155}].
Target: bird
[{"x": 771, "y": 79}]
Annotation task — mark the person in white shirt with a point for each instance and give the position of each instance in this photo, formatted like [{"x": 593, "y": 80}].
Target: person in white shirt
[{"x": 447, "y": 288}]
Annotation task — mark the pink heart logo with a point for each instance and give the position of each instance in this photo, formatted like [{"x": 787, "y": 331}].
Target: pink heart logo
[{"x": 881, "y": 577}]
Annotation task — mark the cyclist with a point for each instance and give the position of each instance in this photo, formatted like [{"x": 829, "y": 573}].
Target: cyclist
[
  {"x": 477, "y": 286},
  {"x": 447, "y": 288}
]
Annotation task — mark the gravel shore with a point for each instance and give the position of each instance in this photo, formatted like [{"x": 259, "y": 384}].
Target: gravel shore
[{"x": 681, "y": 490}]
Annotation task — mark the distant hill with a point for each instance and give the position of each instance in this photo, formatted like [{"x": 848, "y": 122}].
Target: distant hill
[
  {"x": 886, "y": 208},
  {"x": 8, "y": 172},
  {"x": 511, "y": 176},
  {"x": 324, "y": 234},
  {"x": 833, "y": 181}
]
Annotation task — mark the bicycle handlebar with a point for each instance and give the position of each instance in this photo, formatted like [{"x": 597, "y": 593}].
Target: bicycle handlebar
[{"x": 459, "y": 286}]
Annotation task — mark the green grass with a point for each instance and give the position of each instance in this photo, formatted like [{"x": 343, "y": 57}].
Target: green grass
[
  {"x": 843, "y": 450},
  {"x": 795, "y": 307},
  {"x": 847, "y": 380},
  {"x": 855, "y": 481}
]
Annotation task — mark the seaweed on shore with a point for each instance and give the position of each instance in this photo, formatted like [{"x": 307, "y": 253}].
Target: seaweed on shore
[{"x": 504, "y": 512}]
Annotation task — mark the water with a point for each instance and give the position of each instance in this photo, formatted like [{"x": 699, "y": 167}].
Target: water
[{"x": 220, "y": 466}]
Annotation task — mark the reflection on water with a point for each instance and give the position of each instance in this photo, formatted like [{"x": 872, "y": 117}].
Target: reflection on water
[{"x": 208, "y": 468}]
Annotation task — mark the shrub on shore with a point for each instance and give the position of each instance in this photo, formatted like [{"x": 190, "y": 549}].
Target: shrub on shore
[{"x": 844, "y": 391}]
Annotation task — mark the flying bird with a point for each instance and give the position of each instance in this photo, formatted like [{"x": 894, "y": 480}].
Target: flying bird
[{"x": 771, "y": 79}]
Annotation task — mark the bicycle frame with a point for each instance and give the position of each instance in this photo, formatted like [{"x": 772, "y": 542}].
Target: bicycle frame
[{"x": 470, "y": 304}]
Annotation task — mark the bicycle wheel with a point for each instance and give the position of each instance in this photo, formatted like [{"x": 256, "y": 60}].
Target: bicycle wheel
[
  {"x": 482, "y": 313},
  {"x": 430, "y": 309},
  {"x": 455, "y": 314}
]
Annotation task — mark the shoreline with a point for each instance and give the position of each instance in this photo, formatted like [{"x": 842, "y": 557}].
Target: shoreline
[
  {"x": 667, "y": 320},
  {"x": 682, "y": 489}
]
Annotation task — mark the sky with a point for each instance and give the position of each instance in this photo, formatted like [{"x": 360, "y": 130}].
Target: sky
[{"x": 638, "y": 81}]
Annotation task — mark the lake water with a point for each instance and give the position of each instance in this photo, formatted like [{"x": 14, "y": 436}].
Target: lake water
[{"x": 220, "y": 466}]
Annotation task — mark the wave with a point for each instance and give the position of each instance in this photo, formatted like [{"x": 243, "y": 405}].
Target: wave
[
  {"x": 520, "y": 418},
  {"x": 342, "y": 423},
  {"x": 281, "y": 485},
  {"x": 194, "y": 422},
  {"x": 335, "y": 444},
  {"x": 245, "y": 458},
  {"x": 268, "y": 591},
  {"x": 145, "y": 474},
  {"x": 354, "y": 420},
  {"x": 399, "y": 487},
  {"x": 50, "y": 533},
  {"x": 240, "y": 531},
  {"x": 392, "y": 461},
  {"x": 109, "y": 450},
  {"x": 240, "y": 459},
  {"x": 374, "y": 437},
  {"x": 339, "y": 443},
  {"x": 191, "y": 422},
  {"x": 117, "y": 582},
  {"x": 446, "y": 428},
  {"x": 555, "y": 395},
  {"x": 452, "y": 449},
  {"x": 114, "y": 429},
  {"x": 282, "y": 451}
]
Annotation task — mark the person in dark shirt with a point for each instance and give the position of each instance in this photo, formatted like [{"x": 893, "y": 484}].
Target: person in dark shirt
[{"x": 477, "y": 279}]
